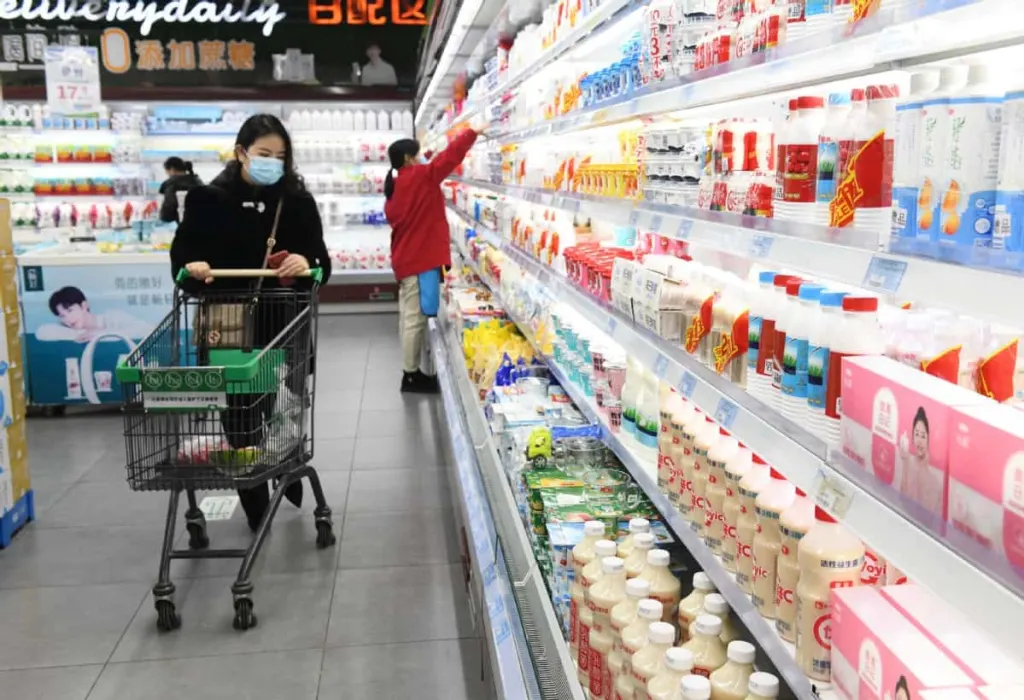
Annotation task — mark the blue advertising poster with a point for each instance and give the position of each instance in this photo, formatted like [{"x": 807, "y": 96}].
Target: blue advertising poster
[{"x": 81, "y": 320}]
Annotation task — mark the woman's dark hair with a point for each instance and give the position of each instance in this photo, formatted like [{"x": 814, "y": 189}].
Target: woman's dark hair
[
  {"x": 902, "y": 683},
  {"x": 396, "y": 154},
  {"x": 920, "y": 417},
  {"x": 256, "y": 127},
  {"x": 176, "y": 163}
]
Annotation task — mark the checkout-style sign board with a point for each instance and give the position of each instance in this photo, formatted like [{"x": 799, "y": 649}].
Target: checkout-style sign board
[{"x": 187, "y": 389}]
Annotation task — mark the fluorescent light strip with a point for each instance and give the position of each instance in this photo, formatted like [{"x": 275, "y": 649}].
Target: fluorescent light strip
[{"x": 463, "y": 23}]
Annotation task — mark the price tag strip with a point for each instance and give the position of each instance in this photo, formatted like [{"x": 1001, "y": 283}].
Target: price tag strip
[{"x": 832, "y": 494}]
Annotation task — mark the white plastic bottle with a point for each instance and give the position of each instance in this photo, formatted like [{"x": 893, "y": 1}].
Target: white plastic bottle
[
  {"x": 732, "y": 681},
  {"x": 794, "y": 523},
  {"x": 714, "y": 496},
  {"x": 623, "y": 615},
  {"x": 783, "y": 136},
  {"x": 684, "y": 497},
  {"x": 795, "y": 356},
  {"x": 935, "y": 126},
  {"x": 671, "y": 404},
  {"x": 631, "y": 395},
  {"x": 762, "y": 686},
  {"x": 604, "y": 595},
  {"x": 582, "y": 554},
  {"x": 646, "y": 663},
  {"x": 693, "y": 605},
  {"x": 676, "y": 664},
  {"x": 695, "y": 688},
  {"x": 829, "y": 177},
  {"x": 647, "y": 418},
  {"x": 799, "y": 197},
  {"x": 907, "y": 153},
  {"x": 592, "y": 573},
  {"x": 665, "y": 587},
  {"x": 760, "y": 300},
  {"x": 637, "y": 559},
  {"x": 735, "y": 469},
  {"x": 967, "y": 200},
  {"x": 830, "y": 308},
  {"x": 875, "y": 147},
  {"x": 786, "y": 310},
  {"x": 760, "y": 384},
  {"x": 857, "y": 333},
  {"x": 634, "y": 639},
  {"x": 716, "y": 604},
  {"x": 674, "y": 463},
  {"x": 709, "y": 653},
  {"x": 707, "y": 438},
  {"x": 830, "y": 557},
  {"x": 848, "y": 132},
  {"x": 773, "y": 499},
  {"x": 637, "y": 526},
  {"x": 750, "y": 487}
]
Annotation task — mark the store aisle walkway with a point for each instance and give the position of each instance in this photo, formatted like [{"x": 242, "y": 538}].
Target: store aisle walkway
[{"x": 381, "y": 615}]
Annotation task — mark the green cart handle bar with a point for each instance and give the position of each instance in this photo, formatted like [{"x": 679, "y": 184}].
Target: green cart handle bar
[{"x": 315, "y": 272}]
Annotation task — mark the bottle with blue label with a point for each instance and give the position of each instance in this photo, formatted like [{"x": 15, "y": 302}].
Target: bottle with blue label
[
  {"x": 765, "y": 283},
  {"x": 839, "y": 108},
  {"x": 830, "y": 308},
  {"x": 1008, "y": 224},
  {"x": 906, "y": 160},
  {"x": 802, "y": 320}
]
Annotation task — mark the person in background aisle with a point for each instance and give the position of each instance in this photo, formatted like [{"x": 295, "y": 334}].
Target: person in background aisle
[
  {"x": 180, "y": 178},
  {"x": 377, "y": 71},
  {"x": 228, "y": 224},
  {"x": 415, "y": 209}
]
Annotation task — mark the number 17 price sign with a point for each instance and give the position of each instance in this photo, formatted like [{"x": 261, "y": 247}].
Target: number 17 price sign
[{"x": 72, "y": 79}]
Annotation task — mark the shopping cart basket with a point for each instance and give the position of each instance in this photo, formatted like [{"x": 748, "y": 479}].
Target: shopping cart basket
[{"x": 220, "y": 396}]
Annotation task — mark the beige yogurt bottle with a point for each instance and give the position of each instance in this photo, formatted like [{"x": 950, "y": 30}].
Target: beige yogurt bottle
[
  {"x": 746, "y": 525},
  {"x": 714, "y": 497},
  {"x": 637, "y": 526},
  {"x": 693, "y": 605},
  {"x": 665, "y": 587},
  {"x": 706, "y": 440},
  {"x": 694, "y": 688},
  {"x": 677, "y": 664},
  {"x": 793, "y": 525},
  {"x": 716, "y": 604},
  {"x": 677, "y": 426},
  {"x": 735, "y": 469},
  {"x": 732, "y": 681},
  {"x": 646, "y": 663},
  {"x": 671, "y": 403},
  {"x": 624, "y": 614},
  {"x": 634, "y": 639},
  {"x": 769, "y": 505},
  {"x": 582, "y": 554},
  {"x": 684, "y": 494},
  {"x": 592, "y": 573},
  {"x": 762, "y": 686},
  {"x": 708, "y": 650},
  {"x": 637, "y": 559},
  {"x": 603, "y": 597}
]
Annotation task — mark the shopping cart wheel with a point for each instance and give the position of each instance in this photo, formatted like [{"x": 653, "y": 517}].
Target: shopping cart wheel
[
  {"x": 197, "y": 537},
  {"x": 245, "y": 618},
  {"x": 167, "y": 619},
  {"x": 325, "y": 534}
]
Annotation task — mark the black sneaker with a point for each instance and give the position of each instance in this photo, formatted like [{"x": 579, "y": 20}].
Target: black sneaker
[{"x": 419, "y": 383}]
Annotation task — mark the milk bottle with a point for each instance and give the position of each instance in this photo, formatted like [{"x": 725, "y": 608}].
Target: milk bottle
[
  {"x": 707, "y": 437},
  {"x": 735, "y": 469},
  {"x": 647, "y": 417},
  {"x": 793, "y": 525},
  {"x": 592, "y": 573},
  {"x": 604, "y": 595},
  {"x": 671, "y": 404},
  {"x": 732, "y": 681},
  {"x": 664, "y": 586},
  {"x": 746, "y": 525},
  {"x": 646, "y": 663},
  {"x": 637, "y": 559},
  {"x": 776, "y": 497},
  {"x": 582, "y": 554},
  {"x": 692, "y": 605},
  {"x": 637, "y": 526},
  {"x": 716, "y": 604},
  {"x": 695, "y": 688},
  {"x": 830, "y": 557},
  {"x": 677, "y": 664},
  {"x": 684, "y": 496},
  {"x": 673, "y": 462},
  {"x": 625, "y": 614},
  {"x": 762, "y": 686},
  {"x": 634, "y": 638},
  {"x": 707, "y": 647},
  {"x": 714, "y": 496}
]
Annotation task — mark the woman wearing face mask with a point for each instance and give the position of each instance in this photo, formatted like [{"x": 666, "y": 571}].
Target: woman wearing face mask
[
  {"x": 228, "y": 224},
  {"x": 415, "y": 208}
]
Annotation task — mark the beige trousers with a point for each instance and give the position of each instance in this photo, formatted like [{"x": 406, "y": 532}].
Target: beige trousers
[{"x": 412, "y": 327}]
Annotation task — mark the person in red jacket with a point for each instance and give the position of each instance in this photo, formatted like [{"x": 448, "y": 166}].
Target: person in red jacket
[{"x": 415, "y": 209}]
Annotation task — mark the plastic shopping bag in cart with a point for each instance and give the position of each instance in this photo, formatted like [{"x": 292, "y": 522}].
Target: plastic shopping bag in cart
[{"x": 285, "y": 427}]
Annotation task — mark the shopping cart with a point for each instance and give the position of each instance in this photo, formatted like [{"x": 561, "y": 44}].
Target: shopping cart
[{"x": 220, "y": 396}]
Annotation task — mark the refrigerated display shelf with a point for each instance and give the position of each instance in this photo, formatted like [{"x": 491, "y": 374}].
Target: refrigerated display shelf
[
  {"x": 362, "y": 277},
  {"x": 927, "y": 550},
  {"x": 844, "y": 256}
]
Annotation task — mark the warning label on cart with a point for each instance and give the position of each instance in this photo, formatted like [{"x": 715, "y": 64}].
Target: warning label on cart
[{"x": 184, "y": 389}]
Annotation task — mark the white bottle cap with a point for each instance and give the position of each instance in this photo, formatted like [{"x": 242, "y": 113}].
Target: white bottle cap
[
  {"x": 708, "y": 625},
  {"x": 639, "y": 526},
  {"x": 952, "y": 75},
  {"x": 650, "y": 609},
  {"x": 638, "y": 588},
  {"x": 679, "y": 659},
  {"x": 715, "y": 604},
  {"x": 657, "y": 557},
  {"x": 741, "y": 652},
  {"x": 661, "y": 633},
  {"x": 613, "y": 565},
  {"x": 702, "y": 582},
  {"x": 978, "y": 73},
  {"x": 604, "y": 548},
  {"x": 765, "y": 684},
  {"x": 593, "y": 528},
  {"x": 924, "y": 81},
  {"x": 643, "y": 541},
  {"x": 695, "y": 688}
]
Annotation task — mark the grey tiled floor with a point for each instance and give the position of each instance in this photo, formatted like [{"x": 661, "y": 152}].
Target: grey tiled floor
[{"x": 383, "y": 614}]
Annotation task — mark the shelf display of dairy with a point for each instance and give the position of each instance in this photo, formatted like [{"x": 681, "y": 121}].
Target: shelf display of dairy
[
  {"x": 602, "y": 597},
  {"x": 693, "y": 605},
  {"x": 709, "y": 652},
  {"x": 771, "y": 502},
  {"x": 731, "y": 681}
]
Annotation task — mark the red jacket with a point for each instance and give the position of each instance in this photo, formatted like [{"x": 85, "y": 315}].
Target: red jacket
[{"x": 416, "y": 211}]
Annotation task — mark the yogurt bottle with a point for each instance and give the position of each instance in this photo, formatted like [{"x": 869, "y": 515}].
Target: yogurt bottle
[
  {"x": 604, "y": 595},
  {"x": 637, "y": 526},
  {"x": 795, "y": 356},
  {"x": 693, "y": 605},
  {"x": 762, "y": 686},
  {"x": 684, "y": 497},
  {"x": 732, "y": 681},
  {"x": 646, "y": 663},
  {"x": 592, "y": 573},
  {"x": 624, "y": 614},
  {"x": 714, "y": 495},
  {"x": 735, "y": 469},
  {"x": 758, "y": 303},
  {"x": 716, "y": 604},
  {"x": 776, "y": 497},
  {"x": 637, "y": 559},
  {"x": 707, "y": 438},
  {"x": 634, "y": 636},
  {"x": 664, "y": 586},
  {"x": 674, "y": 462},
  {"x": 857, "y": 332},
  {"x": 830, "y": 557},
  {"x": 695, "y": 688},
  {"x": 750, "y": 487},
  {"x": 708, "y": 650},
  {"x": 676, "y": 664},
  {"x": 793, "y": 525},
  {"x": 671, "y": 406},
  {"x": 830, "y": 309},
  {"x": 582, "y": 554}
]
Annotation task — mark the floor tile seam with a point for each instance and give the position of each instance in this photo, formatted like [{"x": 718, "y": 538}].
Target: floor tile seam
[
  {"x": 427, "y": 640},
  {"x": 21, "y": 669},
  {"x": 211, "y": 655}
]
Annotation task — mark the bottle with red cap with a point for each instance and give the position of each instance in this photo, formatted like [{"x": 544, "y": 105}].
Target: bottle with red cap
[
  {"x": 769, "y": 505},
  {"x": 794, "y": 523},
  {"x": 800, "y": 167},
  {"x": 857, "y": 333},
  {"x": 830, "y": 557},
  {"x": 874, "y": 148},
  {"x": 847, "y": 137}
]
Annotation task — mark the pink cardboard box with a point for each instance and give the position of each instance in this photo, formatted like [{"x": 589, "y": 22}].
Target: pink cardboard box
[
  {"x": 876, "y": 651},
  {"x": 952, "y": 632},
  {"x": 895, "y": 423},
  {"x": 986, "y": 478},
  {"x": 1015, "y": 692}
]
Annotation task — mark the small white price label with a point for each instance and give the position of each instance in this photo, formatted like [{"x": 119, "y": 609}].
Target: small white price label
[
  {"x": 726, "y": 412},
  {"x": 761, "y": 245},
  {"x": 687, "y": 384},
  {"x": 831, "y": 494},
  {"x": 660, "y": 366},
  {"x": 634, "y": 218},
  {"x": 612, "y": 325},
  {"x": 685, "y": 227},
  {"x": 885, "y": 274},
  {"x": 656, "y": 223}
]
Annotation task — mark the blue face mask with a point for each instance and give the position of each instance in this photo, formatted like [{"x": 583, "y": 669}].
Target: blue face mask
[
  {"x": 265, "y": 171},
  {"x": 422, "y": 160}
]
